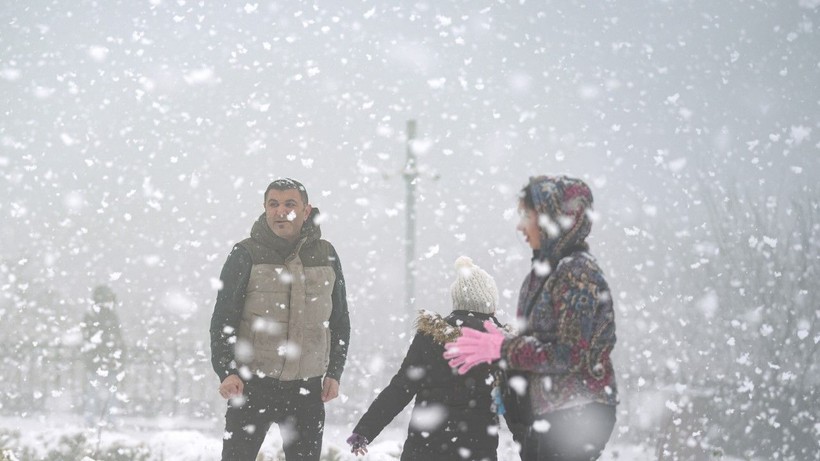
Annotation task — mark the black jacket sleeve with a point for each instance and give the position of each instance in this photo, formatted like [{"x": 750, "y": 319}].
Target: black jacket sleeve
[
  {"x": 339, "y": 323},
  {"x": 401, "y": 390},
  {"x": 228, "y": 310}
]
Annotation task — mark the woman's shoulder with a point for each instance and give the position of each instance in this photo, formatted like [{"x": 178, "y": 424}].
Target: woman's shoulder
[{"x": 579, "y": 263}]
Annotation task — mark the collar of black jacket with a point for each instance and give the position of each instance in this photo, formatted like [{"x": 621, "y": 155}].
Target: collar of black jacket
[{"x": 264, "y": 235}]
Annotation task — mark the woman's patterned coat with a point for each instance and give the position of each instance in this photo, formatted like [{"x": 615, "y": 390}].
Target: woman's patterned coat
[{"x": 565, "y": 308}]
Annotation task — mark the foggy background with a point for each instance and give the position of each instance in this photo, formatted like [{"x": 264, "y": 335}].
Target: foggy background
[{"x": 137, "y": 139}]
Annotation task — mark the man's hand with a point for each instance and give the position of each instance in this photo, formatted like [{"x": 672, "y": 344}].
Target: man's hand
[
  {"x": 330, "y": 389},
  {"x": 232, "y": 386}
]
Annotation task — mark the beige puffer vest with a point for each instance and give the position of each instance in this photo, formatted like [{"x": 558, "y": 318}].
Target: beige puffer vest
[{"x": 284, "y": 331}]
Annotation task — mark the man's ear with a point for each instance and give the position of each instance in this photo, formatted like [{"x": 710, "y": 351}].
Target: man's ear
[{"x": 308, "y": 210}]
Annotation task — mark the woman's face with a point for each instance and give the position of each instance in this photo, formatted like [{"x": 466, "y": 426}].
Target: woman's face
[{"x": 528, "y": 225}]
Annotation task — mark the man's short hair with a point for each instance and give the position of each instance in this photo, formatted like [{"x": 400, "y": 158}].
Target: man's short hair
[{"x": 287, "y": 184}]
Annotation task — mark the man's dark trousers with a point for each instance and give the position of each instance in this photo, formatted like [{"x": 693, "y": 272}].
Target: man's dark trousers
[{"x": 296, "y": 406}]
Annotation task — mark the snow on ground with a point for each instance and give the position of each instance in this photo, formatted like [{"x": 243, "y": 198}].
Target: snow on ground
[{"x": 163, "y": 439}]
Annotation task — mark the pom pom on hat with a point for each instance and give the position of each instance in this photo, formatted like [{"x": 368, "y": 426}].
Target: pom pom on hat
[
  {"x": 474, "y": 290},
  {"x": 464, "y": 262}
]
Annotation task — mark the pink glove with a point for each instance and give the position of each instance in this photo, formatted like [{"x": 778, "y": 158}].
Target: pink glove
[{"x": 474, "y": 347}]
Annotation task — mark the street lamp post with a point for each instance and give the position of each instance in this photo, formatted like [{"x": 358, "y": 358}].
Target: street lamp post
[{"x": 410, "y": 174}]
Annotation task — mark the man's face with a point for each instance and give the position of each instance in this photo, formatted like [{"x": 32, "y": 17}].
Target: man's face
[{"x": 285, "y": 213}]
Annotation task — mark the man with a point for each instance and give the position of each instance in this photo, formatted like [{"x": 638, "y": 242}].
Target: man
[
  {"x": 280, "y": 329},
  {"x": 103, "y": 352}
]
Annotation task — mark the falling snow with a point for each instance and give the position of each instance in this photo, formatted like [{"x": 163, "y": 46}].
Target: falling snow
[{"x": 137, "y": 140}]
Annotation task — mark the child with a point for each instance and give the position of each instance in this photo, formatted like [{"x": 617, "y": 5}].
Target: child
[{"x": 453, "y": 417}]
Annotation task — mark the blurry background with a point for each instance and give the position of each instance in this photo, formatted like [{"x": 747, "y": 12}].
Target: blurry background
[{"x": 137, "y": 138}]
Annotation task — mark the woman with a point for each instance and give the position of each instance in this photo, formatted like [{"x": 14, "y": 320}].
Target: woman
[
  {"x": 567, "y": 329},
  {"x": 453, "y": 417}
]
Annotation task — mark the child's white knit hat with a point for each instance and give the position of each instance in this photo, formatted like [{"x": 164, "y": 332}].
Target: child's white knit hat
[{"x": 474, "y": 289}]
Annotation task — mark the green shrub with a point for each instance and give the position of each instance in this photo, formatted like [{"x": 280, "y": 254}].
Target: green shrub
[
  {"x": 74, "y": 446},
  {"x": 7, "y": 455}
]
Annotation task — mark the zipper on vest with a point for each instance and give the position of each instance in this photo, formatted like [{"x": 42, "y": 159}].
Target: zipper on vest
[{"x": 296, "y": 250}]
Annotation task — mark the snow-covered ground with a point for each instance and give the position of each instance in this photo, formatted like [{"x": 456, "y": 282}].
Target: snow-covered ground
[{"x": 63, "y": 437}]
